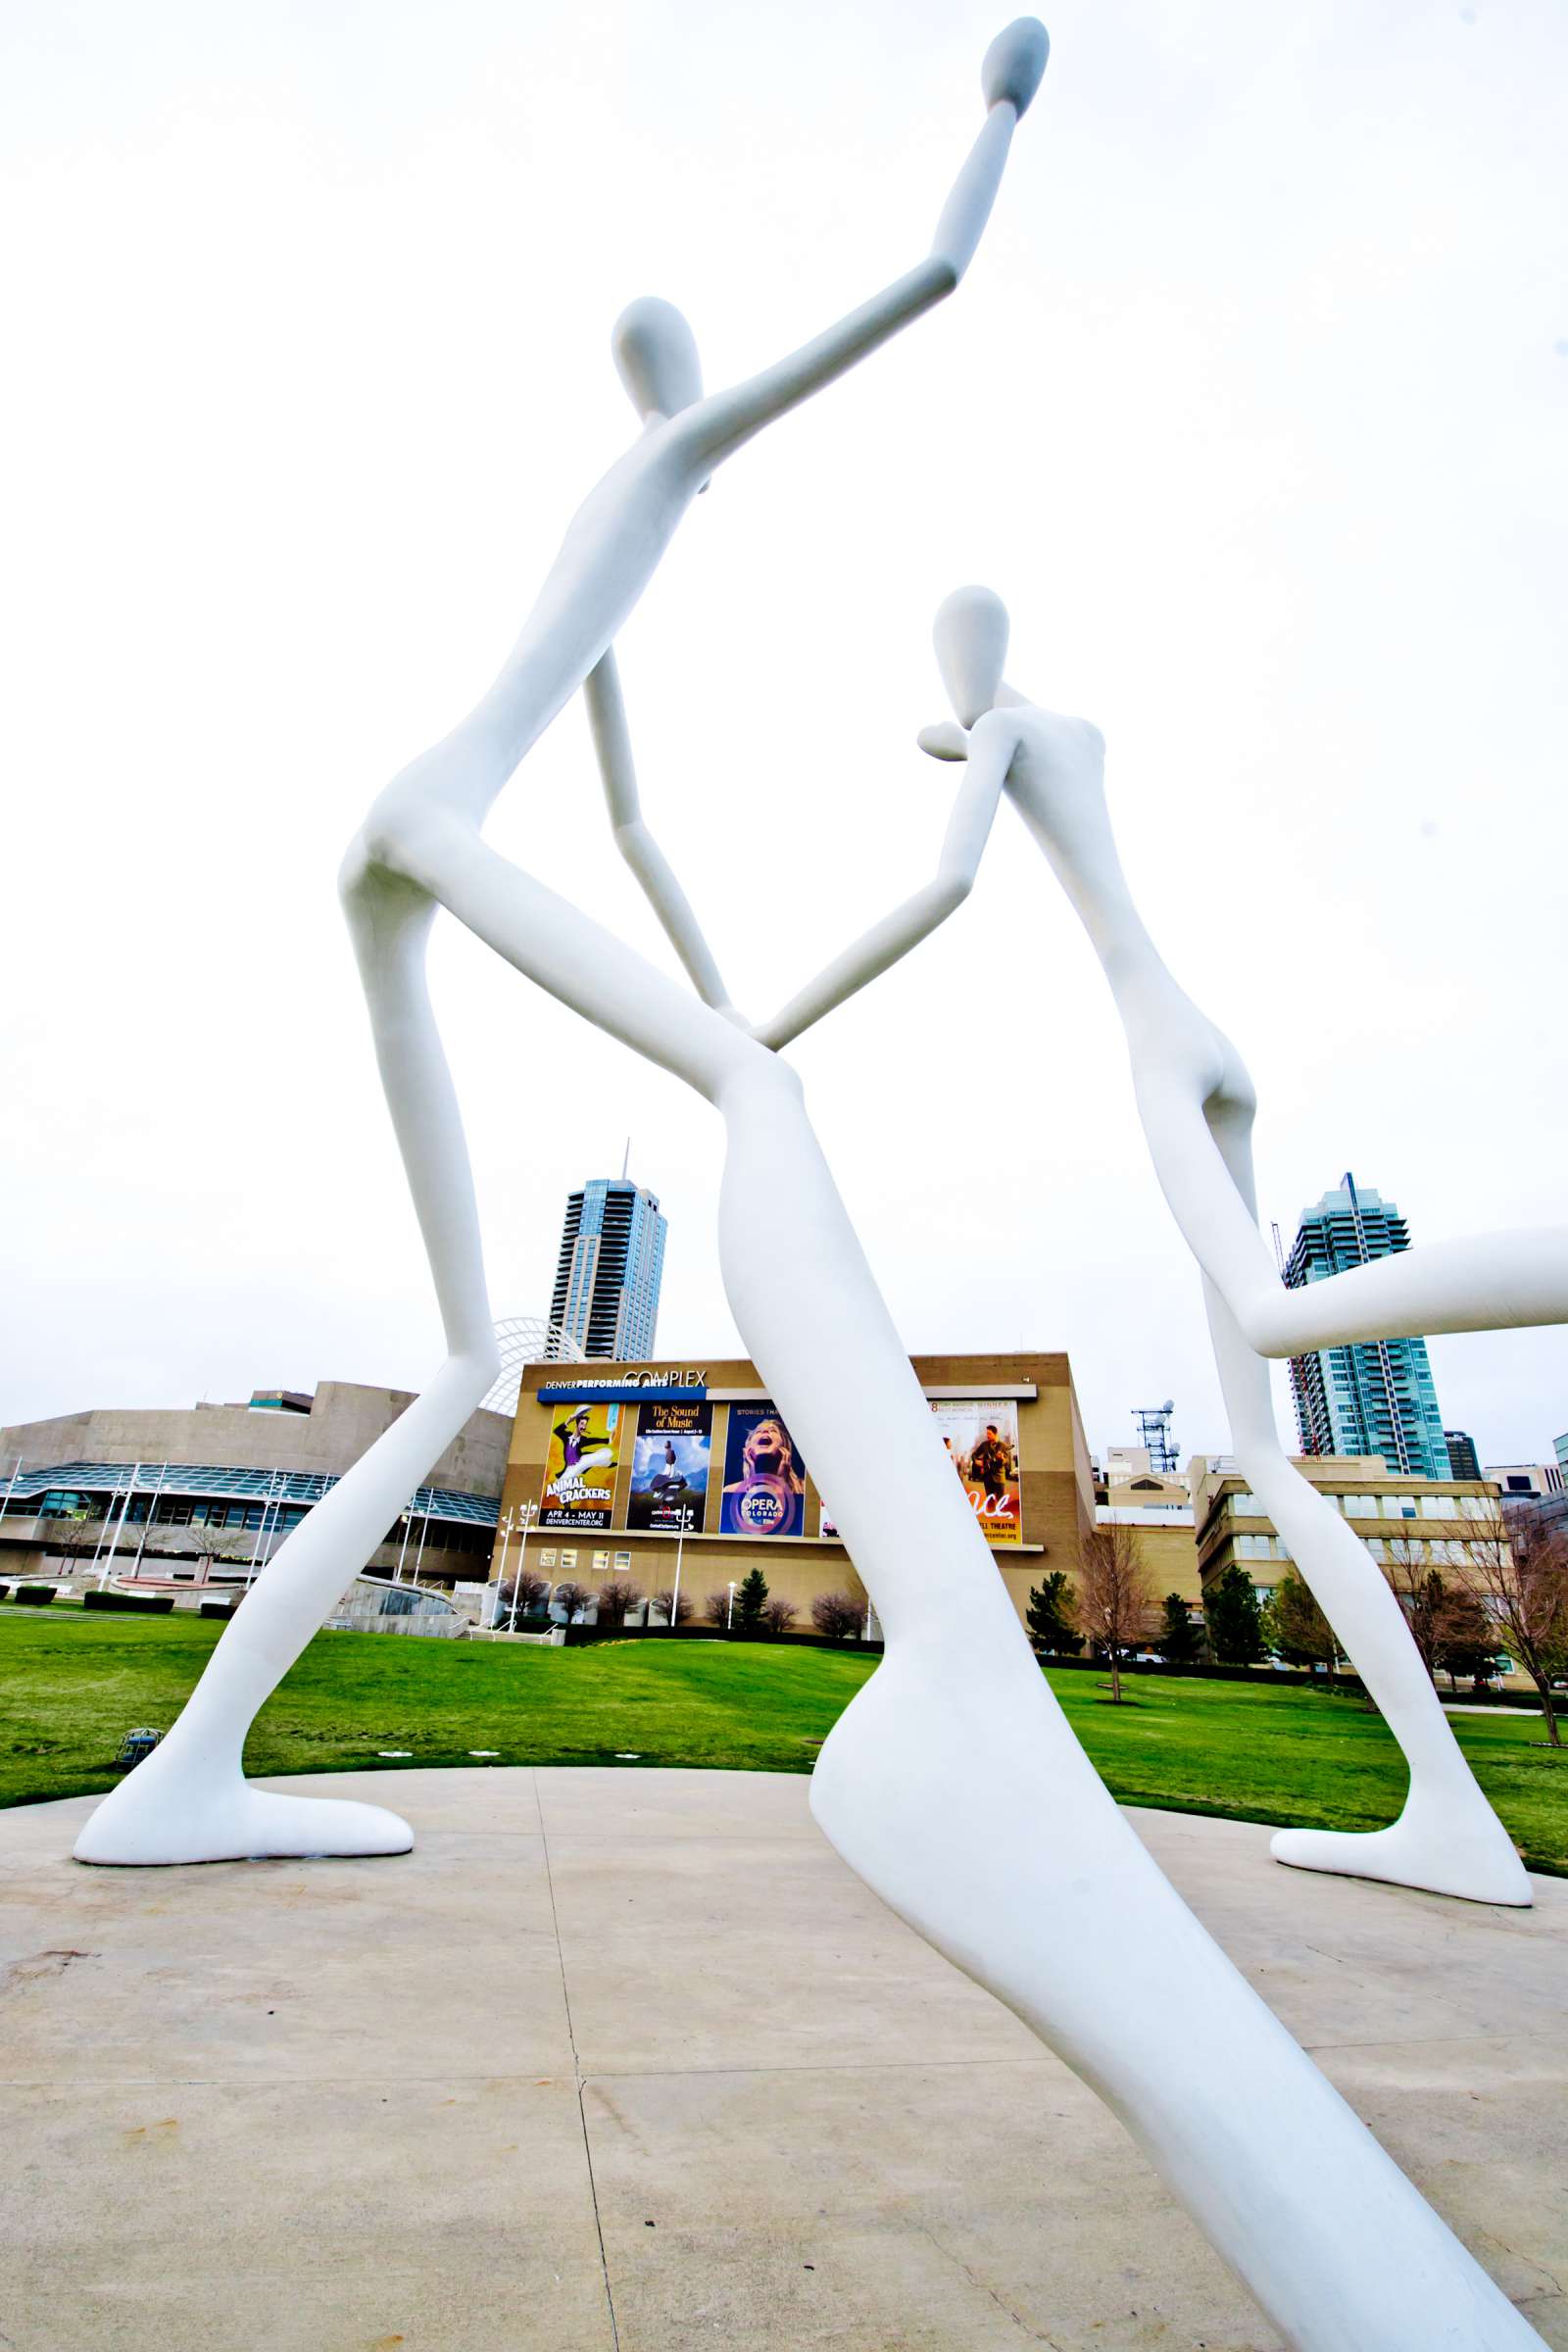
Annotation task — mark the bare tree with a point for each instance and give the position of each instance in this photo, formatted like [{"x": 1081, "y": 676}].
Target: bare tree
[
  {"x": 572, "y": 1598},
  {"x": 778, "y": 1614},
  {"x": 1113, "y": 1593},
  {"x": 616, "y": 1600},
  {"x": 1517, "y": 1569},
  {"x": 531, "y": 1592},
  {"x": 676, "y": 1613},
  {"x": 717, "y": 1609},
  {"x": 837, "y": 1614},
  {"x": 1421, "y": 1593}
]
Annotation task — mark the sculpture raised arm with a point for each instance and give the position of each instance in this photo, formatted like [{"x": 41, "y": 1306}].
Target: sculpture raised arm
[{"x": 1009, "y": 76}]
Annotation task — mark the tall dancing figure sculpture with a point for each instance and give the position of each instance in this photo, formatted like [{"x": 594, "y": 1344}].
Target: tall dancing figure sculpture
[
  {"x": 953, "y": 1785},
  {"x": 1197, "y": 1104},
  {"x": 420, "y": 848}
]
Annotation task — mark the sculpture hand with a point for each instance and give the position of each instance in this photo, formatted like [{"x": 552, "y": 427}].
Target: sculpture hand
[
  {"x": 947, "y": 740},
  {"x": 1012, "y": 66}
]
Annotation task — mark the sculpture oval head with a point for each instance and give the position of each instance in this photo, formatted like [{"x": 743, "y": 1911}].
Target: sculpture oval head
[
  {"x": 656, "y": 357},
  {"x": 970, "y": 635}
]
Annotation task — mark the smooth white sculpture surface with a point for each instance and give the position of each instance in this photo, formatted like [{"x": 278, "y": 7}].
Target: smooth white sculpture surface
[
  {"x": 953, "y": 1785},
  {"x": 1190, "y": 1084},
  {"x": 420, "y": 847}
]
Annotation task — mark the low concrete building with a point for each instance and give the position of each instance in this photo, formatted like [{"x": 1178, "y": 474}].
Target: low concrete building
[
  {"x": 613, "y": 1468},
  {"x": 206, "y": 1496}
]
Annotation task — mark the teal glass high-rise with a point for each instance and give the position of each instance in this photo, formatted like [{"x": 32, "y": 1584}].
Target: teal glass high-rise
[{"x": 1376, "y": 1398}]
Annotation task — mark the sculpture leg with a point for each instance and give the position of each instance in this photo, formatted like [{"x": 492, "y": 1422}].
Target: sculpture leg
[
  {"x": 190, "y": 1800},
  {"x": 1447, "y": 1839},
  {"x": 954, "y": 1787}
]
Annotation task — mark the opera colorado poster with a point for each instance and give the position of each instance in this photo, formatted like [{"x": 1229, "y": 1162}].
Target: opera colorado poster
[
  {"x": 764, "y": 1476},
  {"x": 669, "y": 1466},
  {"x": 580, "y": 1467}
]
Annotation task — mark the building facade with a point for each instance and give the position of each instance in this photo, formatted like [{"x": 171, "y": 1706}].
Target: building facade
[
  {"x": 1373, "y": 1398},
  {"x": 609, "y": 1269},
  {"x": 1134, "y": 1491},
  {"x": 1406, "y": 1523},
  {"x": 616, "y": 1477},
  {"x": 206, "y": 1496}
]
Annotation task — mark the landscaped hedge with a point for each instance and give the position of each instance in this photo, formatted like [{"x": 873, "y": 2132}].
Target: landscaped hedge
[
  {"x": 217, "y": 1608},
  {"x": 37, "y": 1596},
  {"x": 150, "y": 1605}
]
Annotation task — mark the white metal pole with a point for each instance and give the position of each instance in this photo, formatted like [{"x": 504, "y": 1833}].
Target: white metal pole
[
  {"x": 680, "y": 1539},
  {"x": 408, "y": 1525},
  {"x": 135, "y": 1565},
  {"x": 529, "y": 1511},
  {"x": 11, "y": 1488},
  {"x": 275, "y": 1506},
  {"x": 109, "y": 1556},
  {"x": 503, "y": 1530},
  {"x": 729, "y": 1622},
  {"x": 261, "y": 1532},
  {"x": 424, "y": 1528}
]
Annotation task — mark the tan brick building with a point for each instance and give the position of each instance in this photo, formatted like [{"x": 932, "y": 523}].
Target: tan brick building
[
  {"x": 1421, "y": 1522},
  {"x": 653, "y": 1442}
]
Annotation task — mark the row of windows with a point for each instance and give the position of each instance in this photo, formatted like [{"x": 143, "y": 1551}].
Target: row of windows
[
  {"x": 1441, "y": 1551},
  {"x": 601, "y": 1563},
  {"x": 1384, "y": 1506}
]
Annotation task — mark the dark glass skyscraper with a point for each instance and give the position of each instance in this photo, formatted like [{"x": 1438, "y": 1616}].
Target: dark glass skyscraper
[
  {"x": 1463, "y": 1459},
  {"x": 1376, "y": 1398},
  {"x": 611, "y": 1263}
]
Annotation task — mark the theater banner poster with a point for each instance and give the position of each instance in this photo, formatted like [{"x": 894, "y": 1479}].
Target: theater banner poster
[
  {"x": 764, "y": 1476},
  {"x": 980, "y": 1438},
  {"x": 669, "y": 1464},
  {"x": 580, "y": 1467}
]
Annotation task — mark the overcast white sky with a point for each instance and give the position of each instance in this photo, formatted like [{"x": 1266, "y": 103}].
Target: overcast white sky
[{"x": 1251, "y": 407}]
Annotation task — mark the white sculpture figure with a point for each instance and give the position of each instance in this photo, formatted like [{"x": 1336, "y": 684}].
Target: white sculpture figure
[
  {"x": 953, "y": 1785},
  {"x": 1197, "y": 1104},
  {"x": 419, "y": 849}
]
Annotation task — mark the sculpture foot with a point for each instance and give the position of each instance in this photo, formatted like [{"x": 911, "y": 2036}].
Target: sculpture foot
[
  {"x": 1483, "y": 1869},
  {"x": 242, "y": 1824}
]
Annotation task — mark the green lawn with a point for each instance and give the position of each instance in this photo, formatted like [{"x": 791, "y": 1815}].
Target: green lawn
[{"x": 72, "y": 1682}]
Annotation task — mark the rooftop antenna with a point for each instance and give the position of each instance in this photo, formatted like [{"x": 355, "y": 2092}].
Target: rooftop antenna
[
  {"x": 1154, "y": 1432},
  {"x": 1279, "y": 1247},
  {"x": 626, "y": 1158}
]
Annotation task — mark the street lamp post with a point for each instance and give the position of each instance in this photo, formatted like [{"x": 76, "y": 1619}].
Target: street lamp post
[
  {"x": 729, "y": 1622},
  {"x": 527, "y": 1513},
  {"x": 687, "y": 1515},
  {"x": 115, "y": 1537}
]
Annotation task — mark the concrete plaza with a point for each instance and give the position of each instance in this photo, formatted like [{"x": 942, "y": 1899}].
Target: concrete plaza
[{"x": 628, "y": 2062}]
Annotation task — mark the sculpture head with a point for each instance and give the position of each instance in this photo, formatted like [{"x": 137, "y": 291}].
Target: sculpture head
[
  {"x": 656, "y": 358},
  {"x": 970, "y": 635}
]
